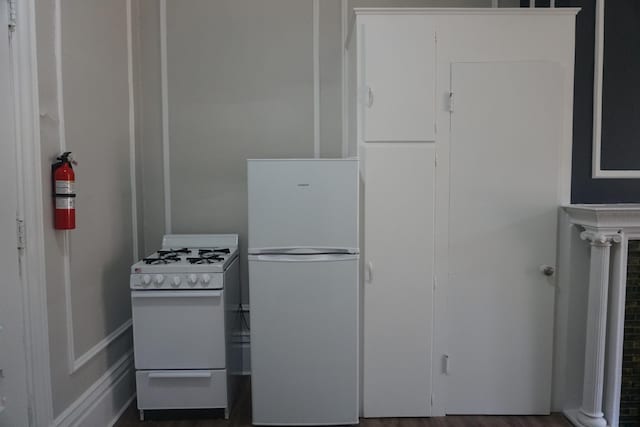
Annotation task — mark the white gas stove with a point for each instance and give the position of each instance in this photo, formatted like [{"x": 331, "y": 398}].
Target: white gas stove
[
  {"x": 184, "y": 299},
  {"x": 186, "y": 262}
]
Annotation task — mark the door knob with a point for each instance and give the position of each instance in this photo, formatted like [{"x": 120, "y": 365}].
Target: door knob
[{"x": 547, "y": 270}]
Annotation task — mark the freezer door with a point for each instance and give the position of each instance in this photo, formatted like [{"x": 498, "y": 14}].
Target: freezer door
[
  {"x": 304, "y": 340},
  {"x": 303, "y": 203}
]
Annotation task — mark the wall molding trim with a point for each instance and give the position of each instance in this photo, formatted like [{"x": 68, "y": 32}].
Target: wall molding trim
[
  {"x": 75, "y": 363},
  {"x": 98, "y": 405},
  {"x": 344, "y": 32},
  {"x": 132, "y": 135},
  {"x": 84, "y": 358},
  {"x": 164, "y": 76},
  {"x": 31, "y": 212},
  {"x": 598, "y": 71},
  {"x": 316, "y": 77}
]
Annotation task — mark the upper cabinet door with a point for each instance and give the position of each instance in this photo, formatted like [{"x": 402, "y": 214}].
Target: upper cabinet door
[{"x": 398, "y": 78}]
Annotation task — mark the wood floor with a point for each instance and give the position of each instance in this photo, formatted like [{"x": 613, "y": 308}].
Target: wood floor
[{"x": 241, "y": 416}]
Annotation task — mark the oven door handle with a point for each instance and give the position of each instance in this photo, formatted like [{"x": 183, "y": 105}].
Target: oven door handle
[
  {"x": 179, "y": 374},
  {"x": 176, "y": 294}
]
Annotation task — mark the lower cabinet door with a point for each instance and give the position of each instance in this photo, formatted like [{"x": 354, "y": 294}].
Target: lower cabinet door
[
  {"x": 398, "y": 290},
  {"x": 181, "y": 389}
]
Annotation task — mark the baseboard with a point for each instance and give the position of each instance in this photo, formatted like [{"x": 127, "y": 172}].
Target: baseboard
[
  {"x": 105, "y": 401},
  {"x": 572, "y": 416}
]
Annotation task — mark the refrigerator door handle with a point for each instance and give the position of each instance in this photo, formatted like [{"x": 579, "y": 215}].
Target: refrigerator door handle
[
  {"x": 369, "y": 271},
  {"x": 303, "y": 258},
  {"x": 303, "y": 251}
]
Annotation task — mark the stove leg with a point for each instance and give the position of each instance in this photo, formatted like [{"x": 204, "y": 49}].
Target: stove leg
[
  {"x": 141, "y": 414},
  {"x": 226, "y": 413}
]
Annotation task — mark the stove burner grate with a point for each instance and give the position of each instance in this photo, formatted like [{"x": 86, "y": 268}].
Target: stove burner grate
[
  {"x": 171, "y": 253},
  {"x": 213, "y": 251},
  {"x": 162, "y": 259},
  {"x": 206, "y": 260}
]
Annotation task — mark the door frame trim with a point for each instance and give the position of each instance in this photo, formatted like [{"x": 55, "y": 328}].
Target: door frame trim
[{"x": 25, "y": 81}]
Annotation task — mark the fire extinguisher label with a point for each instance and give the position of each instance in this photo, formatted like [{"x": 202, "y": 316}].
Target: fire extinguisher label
[
  {"x": 64, "y": 187},
  {"x": 65, "y": 203}
]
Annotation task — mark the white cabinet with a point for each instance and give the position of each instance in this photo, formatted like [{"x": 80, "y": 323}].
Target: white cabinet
[
  {"x": 398, "y": 254},
  {"x": 398, "y": 57},
  {"x": 457, "y": 313}
]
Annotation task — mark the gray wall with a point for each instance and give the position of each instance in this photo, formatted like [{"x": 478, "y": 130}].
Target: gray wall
[
  {"x": 240, "y": 85},
  {"x": 95, "y": 102},
  {"x": 148, "y": 105}
]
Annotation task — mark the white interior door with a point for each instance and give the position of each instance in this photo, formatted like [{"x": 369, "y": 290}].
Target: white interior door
[
  {"x": 399, "y": 78},
  {"x": 398, "y": 289},
  {"x": 505, "y": 132},
  {"x": 13, "y": 380}
]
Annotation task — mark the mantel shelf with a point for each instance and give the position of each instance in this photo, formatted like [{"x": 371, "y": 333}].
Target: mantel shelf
[{"x": 605, "y": 216}]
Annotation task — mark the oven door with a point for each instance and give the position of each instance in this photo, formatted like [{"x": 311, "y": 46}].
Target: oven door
[{"x": 178, "y": 329}]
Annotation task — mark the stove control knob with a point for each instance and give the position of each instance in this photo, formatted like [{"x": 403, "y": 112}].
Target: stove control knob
[
  {"x": 206, "y": 279},
  {"x": 146, "y": 280},
  {"x": 176, "y": 281},
  {"x": 193, "y": 279},
  {"x": 158, "y": 279}
]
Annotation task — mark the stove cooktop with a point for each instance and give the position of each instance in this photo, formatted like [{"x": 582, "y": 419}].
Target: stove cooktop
[{"x": 185, "y": 260}]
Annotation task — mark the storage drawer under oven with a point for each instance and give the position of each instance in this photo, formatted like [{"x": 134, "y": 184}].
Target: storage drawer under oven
[
  {"x": 181, "y": 389},
  {"x": 178, "y": 329}
]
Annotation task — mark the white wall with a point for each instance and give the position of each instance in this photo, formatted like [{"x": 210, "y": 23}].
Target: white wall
[{"x": 85, "y": 106}]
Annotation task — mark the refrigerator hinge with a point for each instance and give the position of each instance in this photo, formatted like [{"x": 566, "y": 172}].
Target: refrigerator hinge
[
  {"x": 12, "y": 15},
  {"x": 451, "y": 102},
  {"x": 20, "y": 234}
]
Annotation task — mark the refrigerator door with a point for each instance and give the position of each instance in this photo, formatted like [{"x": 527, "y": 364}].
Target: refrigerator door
[
  {"x": 303, "y": 203},
  {"x": 304, "y": 339}
]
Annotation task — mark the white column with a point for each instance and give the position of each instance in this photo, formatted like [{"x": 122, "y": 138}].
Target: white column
[{"x": 590, "y": 414}]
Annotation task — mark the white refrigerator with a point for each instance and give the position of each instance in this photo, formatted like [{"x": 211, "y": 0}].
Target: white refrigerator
[{"x": 303, "y": 291}]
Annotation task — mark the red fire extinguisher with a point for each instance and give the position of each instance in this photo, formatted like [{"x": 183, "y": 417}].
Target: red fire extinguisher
[{"x": 64, "y": 192}]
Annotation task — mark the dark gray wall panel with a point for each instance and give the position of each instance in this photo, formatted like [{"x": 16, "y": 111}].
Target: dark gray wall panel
[
  {"x": 621, "y": 86},
  {"x": 585, "y": 189}
]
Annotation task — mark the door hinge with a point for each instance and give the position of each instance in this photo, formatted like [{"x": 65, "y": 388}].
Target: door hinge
[
  {"x": 20, "y": 233},
  {"x": 446, "y": 363},
  {"x": 435, "y": 281},
  {"x": 12, "y": 15},
  {"x": 432, "y": 400},
  {"x": 451, "y": 102}
]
